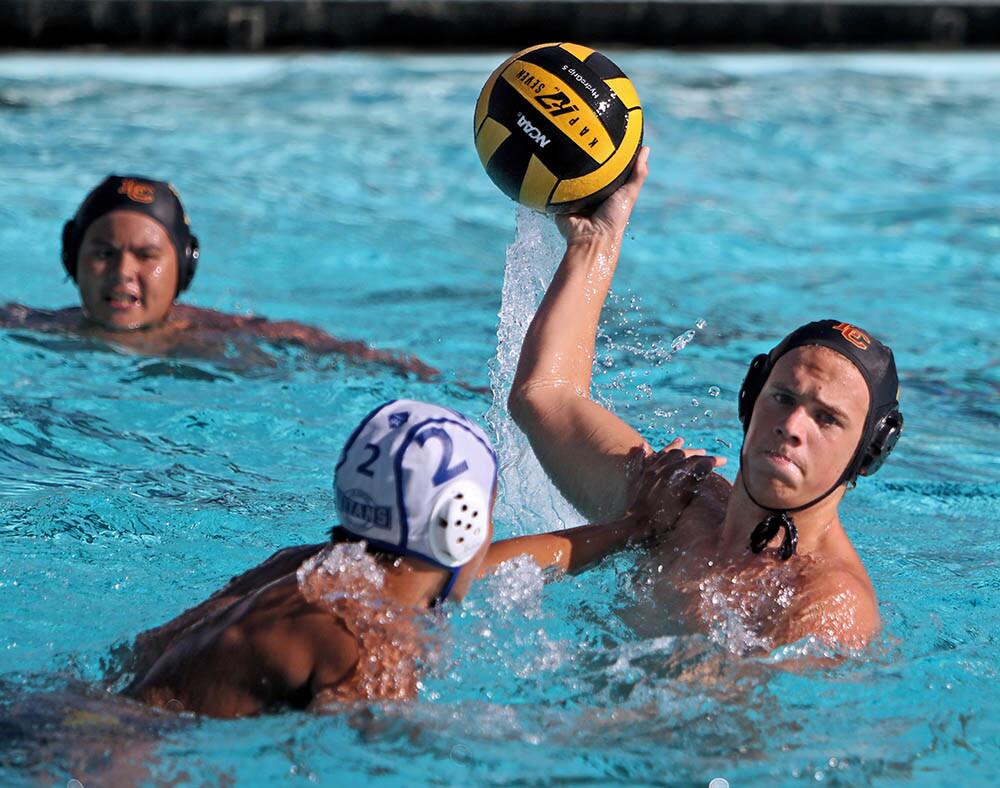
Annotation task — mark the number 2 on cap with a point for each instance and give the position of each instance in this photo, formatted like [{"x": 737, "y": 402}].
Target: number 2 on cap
[
  {"x": 444, "y": 473},
  {"x": 367, "y": 464}
]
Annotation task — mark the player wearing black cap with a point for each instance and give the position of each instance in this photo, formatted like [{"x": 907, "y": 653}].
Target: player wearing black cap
[
  {"x": 130, "y": 250},
  {"x": 768, "y": 552}
]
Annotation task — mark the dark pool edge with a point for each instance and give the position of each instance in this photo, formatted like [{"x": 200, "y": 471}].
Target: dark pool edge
[{"x": 263, "y": 25}]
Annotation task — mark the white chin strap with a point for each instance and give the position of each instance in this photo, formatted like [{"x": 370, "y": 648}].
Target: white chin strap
[{"x": 459, "y": 523}]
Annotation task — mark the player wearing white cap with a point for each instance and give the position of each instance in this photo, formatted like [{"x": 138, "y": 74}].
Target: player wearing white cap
[{"x": 340, "y": 621}]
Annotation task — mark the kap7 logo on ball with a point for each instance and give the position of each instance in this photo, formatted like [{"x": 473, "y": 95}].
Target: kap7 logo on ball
[{"x": 557, "y": 103}]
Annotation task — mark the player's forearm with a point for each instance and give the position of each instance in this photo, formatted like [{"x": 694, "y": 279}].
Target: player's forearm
[
  {"x": 586, "y": 450},
  {"x": 316, "y": 340},
  {"x": 559, "y": 344},
  {"x": 572, "y": 550}
]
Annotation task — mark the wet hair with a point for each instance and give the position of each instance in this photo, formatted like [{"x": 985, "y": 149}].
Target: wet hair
[
  {"x": 339, "y": 535},
  {"x": 156, "y": 199}
]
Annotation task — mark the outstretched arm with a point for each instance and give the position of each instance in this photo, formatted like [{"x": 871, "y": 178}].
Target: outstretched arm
[
  {"x": 592, "y": 455},
  {"x": 572, "y": 550},
  {"x": 669, "y": 481},
  {"x": 318, "y": 341},
  {"x": 291, "y": 332}
]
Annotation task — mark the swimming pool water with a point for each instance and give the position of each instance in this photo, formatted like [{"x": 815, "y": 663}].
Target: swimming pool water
[{"x": 344, "y": 191}]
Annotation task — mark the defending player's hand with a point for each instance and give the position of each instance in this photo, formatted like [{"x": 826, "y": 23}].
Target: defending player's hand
[{"x": 669, "y": 482}]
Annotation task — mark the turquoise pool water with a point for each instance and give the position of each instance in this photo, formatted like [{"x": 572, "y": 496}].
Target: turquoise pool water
[{"x": 344, "y": 191}]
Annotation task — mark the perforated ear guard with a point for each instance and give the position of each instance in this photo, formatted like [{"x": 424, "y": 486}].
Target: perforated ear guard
[{"x": 459, "y": 523}]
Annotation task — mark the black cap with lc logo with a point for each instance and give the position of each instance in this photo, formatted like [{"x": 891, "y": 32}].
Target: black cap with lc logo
[
  {"x": 883, "y": 424},
  {"x": 156, "y": 199}
]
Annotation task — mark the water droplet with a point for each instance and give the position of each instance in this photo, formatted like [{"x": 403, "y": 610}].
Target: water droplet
[
  {"x": 701, "y": 324},
  {"x": 695, "y": 402},
  {"x": 714, "y": 391},
  {"x": 681, "y": 342}
]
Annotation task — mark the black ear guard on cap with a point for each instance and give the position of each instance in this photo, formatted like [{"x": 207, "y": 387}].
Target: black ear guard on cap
[
  {"x": 752, "y": 384},
  {"x": 884, "y": 437},
  {"x": 192, "y": 253},
  {"x": 165, "y": 207},
  {"x": 69, "y": 248}
]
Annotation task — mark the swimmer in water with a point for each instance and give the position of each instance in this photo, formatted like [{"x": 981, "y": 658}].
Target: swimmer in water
[
  {"x": 131, "y": 253},
  {"x": 818, "y": 411},
  {"x": 343, "y": 620}
]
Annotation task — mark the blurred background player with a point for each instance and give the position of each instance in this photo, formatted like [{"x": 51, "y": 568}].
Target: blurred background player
[{"x": 131, "y": 253}]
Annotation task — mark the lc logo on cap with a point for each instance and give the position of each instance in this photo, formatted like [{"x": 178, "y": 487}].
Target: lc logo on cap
[
  {"x": 137, "y": 191},
  {"x": 854, "y": 335}
]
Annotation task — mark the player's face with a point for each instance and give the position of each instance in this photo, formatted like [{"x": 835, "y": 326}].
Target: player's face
[
  {"x": 805, "y": 428},
  {"x": 126, "y": 271}
]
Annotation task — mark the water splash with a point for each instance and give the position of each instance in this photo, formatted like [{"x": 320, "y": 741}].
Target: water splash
[
  {"x": 505, "y": 627},
  {"x": 348, "y": 581},
  {"x": 682, "y": 341},
  {"x": 528, "y": 501},
  {"x": 350, "y": 566},
  {"x": 516, "y": 585}
]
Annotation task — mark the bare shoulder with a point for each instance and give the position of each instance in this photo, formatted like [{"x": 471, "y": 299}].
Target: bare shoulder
[
  {"x": 196, "y": 317},
  {"x": 837, "y": 604},
  {"x": 312, "y": 647},
  {"x": 335, "y": 647},
  {"x": 14, "y": 315}
]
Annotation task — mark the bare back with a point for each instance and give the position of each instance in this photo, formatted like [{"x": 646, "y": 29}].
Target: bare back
[{"x": 304, "y": 639}]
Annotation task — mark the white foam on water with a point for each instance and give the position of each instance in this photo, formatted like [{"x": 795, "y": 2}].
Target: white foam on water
[{"x": 528, "y": 501}]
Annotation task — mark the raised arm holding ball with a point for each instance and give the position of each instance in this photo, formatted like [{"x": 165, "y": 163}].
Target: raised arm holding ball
[{"x": 818, "y": 410}]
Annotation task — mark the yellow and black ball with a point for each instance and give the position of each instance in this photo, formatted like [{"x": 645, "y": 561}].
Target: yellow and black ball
[{"x": 558, "y": 127}]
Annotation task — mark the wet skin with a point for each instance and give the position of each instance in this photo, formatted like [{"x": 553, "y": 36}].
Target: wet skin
[
  {"x": 804, "y": 431},
  {"x": 267, "y": 641},
  {"x": 127, "y": 274},
  {"x": 269, "y": 648}
]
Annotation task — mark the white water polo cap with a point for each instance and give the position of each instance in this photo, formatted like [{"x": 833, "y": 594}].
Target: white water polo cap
[{"x": 416, "y": 479}]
